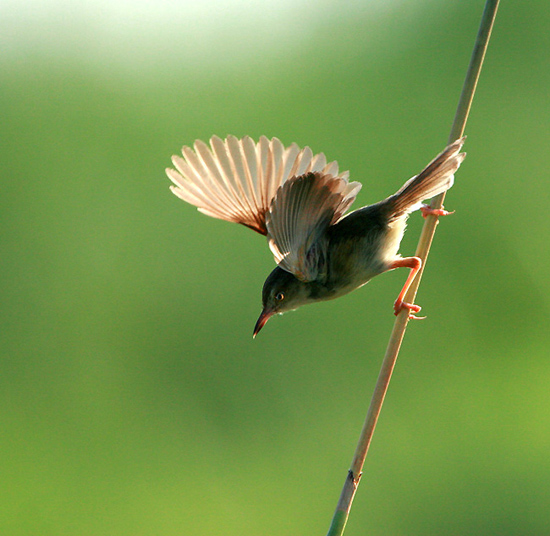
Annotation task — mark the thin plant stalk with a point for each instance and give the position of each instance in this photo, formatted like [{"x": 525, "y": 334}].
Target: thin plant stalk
[{"x": 354, "y": 474}]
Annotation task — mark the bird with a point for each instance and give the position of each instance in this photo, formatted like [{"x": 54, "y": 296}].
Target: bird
[{"x": 298, "y": 200}]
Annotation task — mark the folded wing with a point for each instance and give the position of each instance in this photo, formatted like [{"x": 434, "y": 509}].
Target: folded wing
[
  {"x": 302, "y": 210},
  {"x": 237, "y": 179}
]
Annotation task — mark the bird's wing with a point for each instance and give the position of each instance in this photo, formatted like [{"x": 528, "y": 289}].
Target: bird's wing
[
  {"x": 236, "y": 180},
  {"x": 302, "y": 210}
]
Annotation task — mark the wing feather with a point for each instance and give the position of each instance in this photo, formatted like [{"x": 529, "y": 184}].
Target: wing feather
[
  {"x": 302, "y": 210},
  {"x": 237, "y": 179},
  {"x": 212, "y": 173},
  {"x": 251, "y": 169},
  {"x": 291, "y": 154},
  {"x": 319, "y": 162},
  {"x": 331, "y": 169}
]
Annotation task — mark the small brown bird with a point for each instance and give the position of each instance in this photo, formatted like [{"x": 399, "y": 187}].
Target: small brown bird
[{"x": 298, "y": 201}]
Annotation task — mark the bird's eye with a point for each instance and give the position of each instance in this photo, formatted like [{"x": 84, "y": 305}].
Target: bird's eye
[{"x": 280, "y": 296}]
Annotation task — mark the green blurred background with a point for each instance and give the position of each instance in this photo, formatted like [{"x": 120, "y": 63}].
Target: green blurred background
[{"x": 134, "y": 400}]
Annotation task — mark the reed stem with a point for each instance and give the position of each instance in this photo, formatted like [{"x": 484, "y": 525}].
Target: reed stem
[{"x": 343, "y": 507}]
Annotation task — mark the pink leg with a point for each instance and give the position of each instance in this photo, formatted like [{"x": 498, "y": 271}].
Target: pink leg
[
  {"x": 414, "y": 263},
  {"x": 426, "y": 211}
]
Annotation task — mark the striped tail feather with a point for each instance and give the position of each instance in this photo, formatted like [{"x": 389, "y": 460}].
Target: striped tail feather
[{"x": 436, "y": 178}]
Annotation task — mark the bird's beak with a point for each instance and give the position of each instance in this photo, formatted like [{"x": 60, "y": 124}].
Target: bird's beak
[{"x": 264, "y": 317}]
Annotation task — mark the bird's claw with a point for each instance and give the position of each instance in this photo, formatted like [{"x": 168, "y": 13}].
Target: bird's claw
[
  {"x": 399, "y": 305},
  {"x": 427, "y": 211}
]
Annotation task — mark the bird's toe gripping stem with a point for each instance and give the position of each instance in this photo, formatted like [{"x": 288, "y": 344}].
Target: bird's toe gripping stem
[
  {"x": 399, "y": 305},
  {"x": 427, "y": 211}
]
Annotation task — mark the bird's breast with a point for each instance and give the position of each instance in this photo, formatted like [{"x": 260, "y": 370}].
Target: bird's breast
[
  {"x": 354, "y": 262},
  {"x": 361, "y": 246}
]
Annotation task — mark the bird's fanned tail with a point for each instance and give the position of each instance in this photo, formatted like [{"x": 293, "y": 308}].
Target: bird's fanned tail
[{"x": 436, "y": 178}]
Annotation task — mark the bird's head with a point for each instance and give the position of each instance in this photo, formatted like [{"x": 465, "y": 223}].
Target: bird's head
[{"x": 282, "y": 292}]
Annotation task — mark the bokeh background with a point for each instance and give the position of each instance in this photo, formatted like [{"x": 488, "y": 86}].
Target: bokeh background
[{"x": 134, "y": 400}]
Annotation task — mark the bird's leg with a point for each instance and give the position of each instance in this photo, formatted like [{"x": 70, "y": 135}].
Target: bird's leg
[
  {"x": 414, "y": 263},
  {"x": 427, "y": 210}
]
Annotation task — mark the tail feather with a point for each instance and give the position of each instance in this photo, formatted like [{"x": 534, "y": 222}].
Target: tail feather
[{"x": 436, "y": 178}]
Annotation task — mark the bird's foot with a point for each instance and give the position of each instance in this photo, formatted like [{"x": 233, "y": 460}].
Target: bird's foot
[
  {"x": 399, "y": 305},
  {"x": 427, "y": 210}
]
